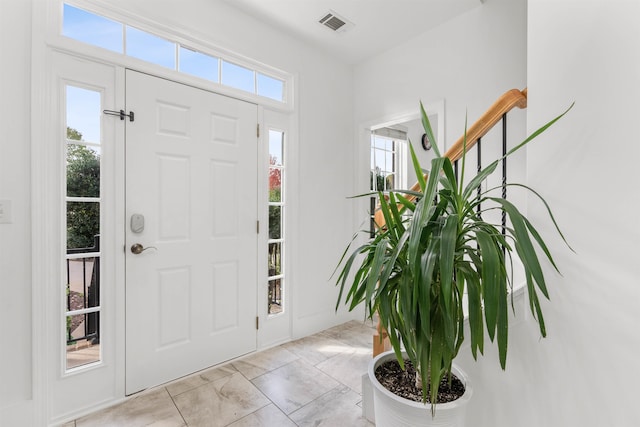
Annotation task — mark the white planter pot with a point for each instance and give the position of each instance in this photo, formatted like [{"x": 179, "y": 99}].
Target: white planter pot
[{"x": 395, "y": 411}]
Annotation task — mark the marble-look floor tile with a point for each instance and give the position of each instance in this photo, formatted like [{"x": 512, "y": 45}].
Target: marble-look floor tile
[
  {"x": 338, "y": 407},
  {"x": 269, "y": 416},
  {"x": 353, "y": 333},
  {"x": 154, "y": 408},
  {"x": 317, "y": 348},
  {"x": 199, "y": 378},
  {"x": 220, "y": 402},
  {"x": 294, "y": 385},
  {"x": 262, "y": 362},
  {"x": 348, "y": 367}
]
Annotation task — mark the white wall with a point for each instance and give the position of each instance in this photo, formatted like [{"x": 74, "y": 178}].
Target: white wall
[
  {"x": 468, "y": 61},
  {"x": 587, "y": 52},
  {"x": 15, "y": 238},
  {"x": 325, "y": 128}
]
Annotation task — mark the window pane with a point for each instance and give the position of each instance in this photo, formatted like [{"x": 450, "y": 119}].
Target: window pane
[
  {"x": 275, "y": 185},
  {"x": 379, "y": 159},
  {"x": 377, "y": 180},
  {"x": 389, "y": 181},
  {"x": 275, "y": 296},
  {"x": 83, "y": 339},
  {"x": 148, "y": 47},
  {"x": 389, "y": 162},
  {"x": 239, "y": 77},
  {"x": 92, "y": 29},
  {"x": 83, "y": 114},
  {"x": 276, "y": 140},
  {"x": 270, "y": 87},
  {"x": 83, "y": 224},
  {"x": 83, "y": 283},
  {"x": 198, "y": 64},
  {"x": 83, "y": 171},
  {"x": 275, "y": 259},
  {"x": 379, "y": 142},
  {"x": 275, "y": 222}
]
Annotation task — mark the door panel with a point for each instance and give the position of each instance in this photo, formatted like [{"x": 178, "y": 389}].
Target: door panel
[{"x": 191, "y": 162}]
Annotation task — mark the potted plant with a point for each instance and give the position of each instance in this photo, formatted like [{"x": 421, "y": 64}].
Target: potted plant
[{"x": 435, "y": 245}]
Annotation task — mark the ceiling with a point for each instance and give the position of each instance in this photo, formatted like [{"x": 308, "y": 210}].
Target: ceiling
[{"x": 379, "y": 24}]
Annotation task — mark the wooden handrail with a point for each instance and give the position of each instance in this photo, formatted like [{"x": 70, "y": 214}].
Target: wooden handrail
[
  {"x": 508, "y": 101},
  {"x": 504, "y": 104}
]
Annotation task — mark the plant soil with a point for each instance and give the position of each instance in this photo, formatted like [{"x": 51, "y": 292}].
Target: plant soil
[{"x": 403, "y": 383}]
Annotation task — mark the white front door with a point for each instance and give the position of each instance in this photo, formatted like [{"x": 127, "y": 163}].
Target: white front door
[{"x": 191, "y": 202}]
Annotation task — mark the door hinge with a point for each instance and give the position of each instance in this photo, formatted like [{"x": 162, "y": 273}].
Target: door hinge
[
  {"x": 258, "y": 130},
  {"x": 257, "y": 322},
  {"x": 257, "y": 227}
]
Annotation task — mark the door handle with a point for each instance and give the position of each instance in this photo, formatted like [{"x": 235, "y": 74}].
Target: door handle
[{"x": 137, "y": 248}]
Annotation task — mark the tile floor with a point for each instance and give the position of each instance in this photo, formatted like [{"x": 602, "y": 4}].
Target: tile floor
[{"x": 314, "y": 381}]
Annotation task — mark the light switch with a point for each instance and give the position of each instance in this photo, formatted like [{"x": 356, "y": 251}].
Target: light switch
[{"x": 5, "y": 212}]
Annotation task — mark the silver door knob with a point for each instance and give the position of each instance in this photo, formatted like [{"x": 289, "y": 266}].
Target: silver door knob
[{"x": 137, "y": 248}]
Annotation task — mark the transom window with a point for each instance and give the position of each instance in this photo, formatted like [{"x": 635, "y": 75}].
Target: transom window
[{"x": 96, "y": 30}]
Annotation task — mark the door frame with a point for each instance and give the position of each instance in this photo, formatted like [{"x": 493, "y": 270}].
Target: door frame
[{"x": 46, "y": 233}]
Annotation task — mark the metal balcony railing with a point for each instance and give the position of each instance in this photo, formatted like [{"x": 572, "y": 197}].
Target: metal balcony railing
[{"x": 83, "y": 294}]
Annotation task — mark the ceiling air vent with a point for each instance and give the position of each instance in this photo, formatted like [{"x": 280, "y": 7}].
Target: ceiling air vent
[{"x": 335, "y": 22}]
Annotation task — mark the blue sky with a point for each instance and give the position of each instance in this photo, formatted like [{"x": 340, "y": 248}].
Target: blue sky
[{"x": 84, "y": 112}]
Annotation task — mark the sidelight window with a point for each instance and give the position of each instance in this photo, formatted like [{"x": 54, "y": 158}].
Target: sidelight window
[
  {"x": 276, "y": 241},
  {"x": 82, "y": 288}
]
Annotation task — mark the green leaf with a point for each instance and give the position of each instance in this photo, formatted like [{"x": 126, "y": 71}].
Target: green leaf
[
  {"x": 395, "y": 214},
  {"x": 503, "y": 327},
  {"x": 423, "y": 209},
  {"x": 475, "y": 311},
  {"x": 523, "y": 244},
  {"x": 426, "y": 124},
  {"x": 376, "y": 268},
  {"x": 449, "y": 181},
  {"x": 429, "y": 261},
  {"x": 548, "y": 208},
  {"x": 490, "y": 261},
  {"x": 435, "y": 364},
  {"x": 417, "y": 168},
  {"x": 406, "y": 202},
  {"x": 447, "y": 254}
]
